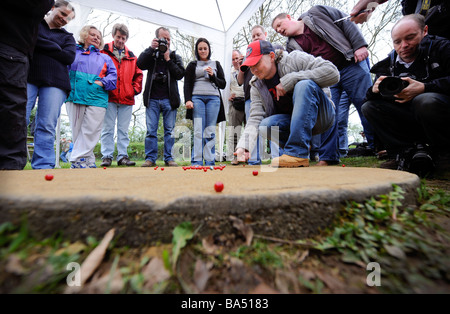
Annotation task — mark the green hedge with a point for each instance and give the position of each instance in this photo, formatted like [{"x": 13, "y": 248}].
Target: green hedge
[{"x": 136, "y": 151}]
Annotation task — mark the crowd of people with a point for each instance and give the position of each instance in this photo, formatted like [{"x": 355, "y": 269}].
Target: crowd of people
[{"x": 296, "y": 96}]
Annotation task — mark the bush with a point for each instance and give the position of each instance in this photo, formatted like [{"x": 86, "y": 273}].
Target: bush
[{"x": 136, "y": 151}]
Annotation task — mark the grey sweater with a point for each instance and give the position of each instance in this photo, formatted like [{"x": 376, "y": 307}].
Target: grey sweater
[
  {"x": 344, "y": 36},
  {"x": 292, "y": 68}
]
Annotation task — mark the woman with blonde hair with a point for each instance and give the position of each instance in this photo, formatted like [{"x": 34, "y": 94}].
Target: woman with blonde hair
[{"x": 92, "y": 75}]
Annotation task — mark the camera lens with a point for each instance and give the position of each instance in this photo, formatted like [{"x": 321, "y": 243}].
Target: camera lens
[
  {"x": 421, "y": 163},
  {"x": 391, "y": 86},
  {"x": 162, "y": 45}
]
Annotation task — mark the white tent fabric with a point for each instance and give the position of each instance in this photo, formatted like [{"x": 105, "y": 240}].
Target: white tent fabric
[{"x": 217, "y": 20}]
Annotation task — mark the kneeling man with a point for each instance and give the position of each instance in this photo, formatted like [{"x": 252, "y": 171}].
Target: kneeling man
[{"x": 290, "y": 102}]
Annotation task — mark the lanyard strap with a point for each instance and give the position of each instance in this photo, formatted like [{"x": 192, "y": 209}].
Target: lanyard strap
[{"x": 423, "y": 6}]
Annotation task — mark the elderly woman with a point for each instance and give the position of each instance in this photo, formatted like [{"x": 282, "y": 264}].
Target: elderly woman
[
  {"x": 92, "y": 75},
  {"x": 48, "y": 79}
]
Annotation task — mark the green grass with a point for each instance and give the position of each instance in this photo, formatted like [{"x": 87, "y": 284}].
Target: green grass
[{"x": 410, "y": 242}]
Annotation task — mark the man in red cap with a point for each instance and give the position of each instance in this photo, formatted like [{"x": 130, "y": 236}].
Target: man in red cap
[{"x": 291, "y": 101}]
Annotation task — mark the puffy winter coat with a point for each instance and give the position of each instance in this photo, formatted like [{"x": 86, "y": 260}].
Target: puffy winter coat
[
  {"x": 129, "y": 76},
  {"x": 89, "y": 66}
]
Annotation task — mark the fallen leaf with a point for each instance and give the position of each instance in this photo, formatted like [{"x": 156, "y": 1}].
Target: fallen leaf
[
  {"x": 246, "y": 230},
  {"x": 201, "y": 274},
  {"x": 109, "y": 282},
  {"x": 92, "y": 262},
  {"x": 14, "y": 265},
  {"x": 72, "y": 249},
  {"x": 335, "y": 285},
  {"x": 304, "y": 255},
  {"x": 262, "y": 288},
  {"x": 395, "y": 251},
  {"x": 209, "y": 246},
  {"x": 286, "y": 282},
  {"x": 154, "y": 272}
]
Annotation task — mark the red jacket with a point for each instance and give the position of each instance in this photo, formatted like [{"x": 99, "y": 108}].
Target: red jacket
[{"x": 129, "y": 77}]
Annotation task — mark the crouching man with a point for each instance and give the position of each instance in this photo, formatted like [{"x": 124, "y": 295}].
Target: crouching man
[
  {"x": 409, "y": 103},
  {"x": 290, "y": 102}
]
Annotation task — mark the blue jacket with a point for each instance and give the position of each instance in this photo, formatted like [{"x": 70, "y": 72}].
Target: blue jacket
[{"x": 89, "y": 66}]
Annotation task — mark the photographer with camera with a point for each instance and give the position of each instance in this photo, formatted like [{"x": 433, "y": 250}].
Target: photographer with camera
[
  {"x": 409, "y": 103},
  {"x": 161, "y": 94}
]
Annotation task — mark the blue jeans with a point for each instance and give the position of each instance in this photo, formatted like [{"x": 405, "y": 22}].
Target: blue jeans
[
  {"x": 205, "y": 113},
  {"x": 255, "y": 158},
  {"x": 63, "y": 156},
  {"x": 315, "y": 146},
  {"x": 123, "y": 115},
  {"x": 48, "y": 110},
  {"x": 355, "y": 81},
  {"x": 344, "y": 106},
  {"x": 154, "y": 109},
  {"x": 312, "y": 114}
]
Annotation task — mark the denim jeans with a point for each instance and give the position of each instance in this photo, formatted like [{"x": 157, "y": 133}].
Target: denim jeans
[
  {"x": 312, "y": 114},
  {"x": 206, "y": 110},
  {"x": 255, "y": 158},
  {"x": 344, "y": 106},
  {"x": 315, "y": 146},
  {"x": 154, "y": 109},
  {"x": 48, "y": 110},
  {"x": 121, "y": 113},
  {"x": 355, "y": 81},
  {"x": 424, "y": 120}
]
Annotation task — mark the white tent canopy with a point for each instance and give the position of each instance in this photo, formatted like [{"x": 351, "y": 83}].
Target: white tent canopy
[{"x": 217, "y": 20}]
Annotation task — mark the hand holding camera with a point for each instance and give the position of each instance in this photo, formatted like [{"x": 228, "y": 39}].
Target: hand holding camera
[
  {"x": 161, "y": 46},
  {"x": 402, "y": 89}
]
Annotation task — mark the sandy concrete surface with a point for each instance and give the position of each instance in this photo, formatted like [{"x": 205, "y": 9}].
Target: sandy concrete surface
[{"x": 146, "y": 204}]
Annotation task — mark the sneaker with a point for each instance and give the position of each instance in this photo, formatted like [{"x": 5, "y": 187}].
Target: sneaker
[
  {"x": 148, "y": 163},
  {"x": 171, "y": 163},
  {"x": 106, "y": 162},
  {"x": 80, "y": 164},
  {"x": 286, "y": 161},
  {"x": 125, "y": 162}
]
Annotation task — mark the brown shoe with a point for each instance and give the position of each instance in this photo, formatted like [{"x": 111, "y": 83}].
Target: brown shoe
[
  {"x": 390, "y": 164},
  {"x": 171, "y": 163},
  {"x": 148, "y": 163},
  {"x": 106, "y": 162},
  {"x": 125, "y": 162},
  {"x": 286, "y": 161}
]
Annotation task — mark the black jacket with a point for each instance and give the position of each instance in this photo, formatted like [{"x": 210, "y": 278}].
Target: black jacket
[
  {"x": 147, "y": 61},
  {"x": 218, "y": 80},
  {"x": 437, "y": 17},
  {"x": 432, "y": 66},
  {"x": 19, "y": 21}
]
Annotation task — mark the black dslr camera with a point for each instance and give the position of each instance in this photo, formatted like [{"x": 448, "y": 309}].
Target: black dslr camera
[
  {"x": 417, "y": 160},
  {"x": 162, "y": 45},
  {"x": 392, "y": 85},
  {"x": 160, "y": 77}
]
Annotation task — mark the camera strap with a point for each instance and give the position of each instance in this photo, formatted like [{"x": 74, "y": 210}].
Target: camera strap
[{"x": 393, "y": 54}]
